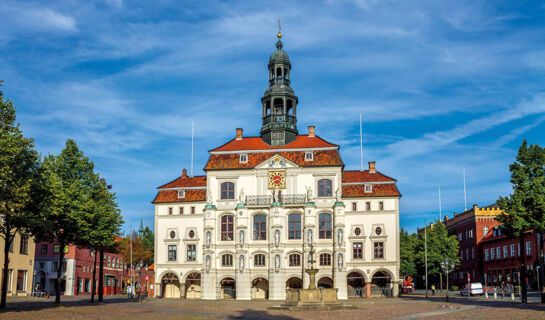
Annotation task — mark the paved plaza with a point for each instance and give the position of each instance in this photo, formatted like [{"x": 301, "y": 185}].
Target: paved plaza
[{"x": 413, "y": 306}]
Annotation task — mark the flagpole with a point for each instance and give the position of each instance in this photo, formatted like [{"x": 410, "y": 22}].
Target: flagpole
[
  {"x": 465, "y": 197},
  {"x": 361, "y": 144},
  {"x": 192, "y": 138},
  {"x": 440, "y": 213}
]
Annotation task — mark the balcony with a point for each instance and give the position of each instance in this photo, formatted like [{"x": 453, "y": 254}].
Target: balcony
[
  {"x": 293, "y": 199},
  {"x": 285, "y": 200},
  {"x": 258, "y": 200},
  {"x": 279, "y": 117}
]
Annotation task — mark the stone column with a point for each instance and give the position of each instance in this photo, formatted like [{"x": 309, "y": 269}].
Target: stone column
[{"x": 368, "y": 290}]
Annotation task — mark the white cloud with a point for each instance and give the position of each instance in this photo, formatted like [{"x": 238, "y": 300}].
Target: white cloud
[{"x": 16, "y": 16}]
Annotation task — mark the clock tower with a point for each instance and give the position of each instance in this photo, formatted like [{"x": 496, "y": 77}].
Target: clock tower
[{"x": 279, "y": 102}]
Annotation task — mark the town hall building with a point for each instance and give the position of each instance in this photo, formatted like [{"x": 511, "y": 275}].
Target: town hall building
[{"x": 268, "y": 205}]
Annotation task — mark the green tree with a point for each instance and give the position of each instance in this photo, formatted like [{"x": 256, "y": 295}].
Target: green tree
[
  {"x": 440, "y": 246},
  {"x": 148, "y": 238},
  {"x": 20, "y": 182},
  {"x": 100, "y": 227},
  {"x": 407, "y": 251},
  {"x": 71, "y": 181},
  {"x": 524, "y": 210}
]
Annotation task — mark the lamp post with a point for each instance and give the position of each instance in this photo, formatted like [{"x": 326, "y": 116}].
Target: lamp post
[
  {"x": 426, "y": 255},
  {"x": 139, "y": 266},
  {"x": 447, "y": 266}
]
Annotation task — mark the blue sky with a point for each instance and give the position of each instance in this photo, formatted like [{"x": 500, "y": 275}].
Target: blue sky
[{"x": 441, "y": 85}]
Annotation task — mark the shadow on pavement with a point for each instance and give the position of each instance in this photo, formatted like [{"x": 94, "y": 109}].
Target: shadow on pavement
[
  {"x": 34, "y": 304},
  {"x": 258, "y": 314},
  {"x": 491, "y": 302}
]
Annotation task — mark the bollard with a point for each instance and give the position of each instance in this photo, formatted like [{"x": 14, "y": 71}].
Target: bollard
[
  {"x": 495, "y": 295},
  {"x": 512, "y": 296}
]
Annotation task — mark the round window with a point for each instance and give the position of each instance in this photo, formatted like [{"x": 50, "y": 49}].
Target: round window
[
  {"x": 357, "y": 231},
  {"x": 172, "y": 234},
  {"x": 378, "y": 231},
  {"x": 191, "y": 233}
]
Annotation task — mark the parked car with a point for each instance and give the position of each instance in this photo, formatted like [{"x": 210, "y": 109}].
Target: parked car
[{"x": 471, "y": 289}]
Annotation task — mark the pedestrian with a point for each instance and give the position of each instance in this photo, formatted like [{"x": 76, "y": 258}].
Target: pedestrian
[
  {"x": 129, "y": 291},
  {"x": 432, "y": 290}
]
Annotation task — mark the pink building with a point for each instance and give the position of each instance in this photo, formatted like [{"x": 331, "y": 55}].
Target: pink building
[{"x": 77, "y": 270}]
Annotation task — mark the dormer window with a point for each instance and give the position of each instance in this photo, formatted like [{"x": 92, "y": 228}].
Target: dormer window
[
  {"x": 243, "y": 158},
  {"x": 181, "y": 194},
  {"x": 368, "y": 188},
  {"x": 309, "y": 156}
]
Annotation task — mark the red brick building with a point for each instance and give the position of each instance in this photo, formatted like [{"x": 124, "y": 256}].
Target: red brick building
[
  {"x": 77, "y": 269},
  {"x": 501, "y": 257},
  {"x": 471, "y": 227}
]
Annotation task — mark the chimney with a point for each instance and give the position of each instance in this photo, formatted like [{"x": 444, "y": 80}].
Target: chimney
[
  {"x": 184, "y": 173},
  {"x": 311, "y": 131},
  {"x": 372, "y": 167},
  {"x": 239, "y": 134}
]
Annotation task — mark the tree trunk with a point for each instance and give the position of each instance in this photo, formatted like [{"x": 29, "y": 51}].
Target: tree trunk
[
  {"x": 94, "y": 290},
  {"x": 541, "y": 271},
  {"x": 59, "y": 273},
  {"x": 101, "y": 276},
  {"x": 523, "y": 291},
  {"x": 8, "y": 241}
]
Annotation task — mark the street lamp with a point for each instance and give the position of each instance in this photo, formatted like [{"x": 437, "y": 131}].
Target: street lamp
[
  {"x": 139, "y": 266},
  {"x": 447, "y": 266}
]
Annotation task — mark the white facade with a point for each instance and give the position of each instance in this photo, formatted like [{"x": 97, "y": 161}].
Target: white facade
[{"x": 218, "y": 279}]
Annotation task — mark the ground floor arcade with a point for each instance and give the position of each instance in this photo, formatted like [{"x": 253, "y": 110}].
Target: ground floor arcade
[{"x": 195, "y": 284}]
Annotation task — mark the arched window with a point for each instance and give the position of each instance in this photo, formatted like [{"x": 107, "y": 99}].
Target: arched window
[
  {"x": 279, "y": 73},
  {"x": 227, "y": 190},
  {"x": 259, "y": 260},
  {"x": 227, "y": 228},
  {"x": 294, "y": 226},
  {"x": 324, "y": 226},
  {"x": 295, "y": 260},
  {"x": 260, "y": 227},
  {"x": 324, "y": 188},
  {"x": 227, "y": 260},
  {"x": 325, "y": 259}
]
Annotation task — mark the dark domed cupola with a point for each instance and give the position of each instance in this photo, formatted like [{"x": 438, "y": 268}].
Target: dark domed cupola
[{"x": 279, "y": 102}]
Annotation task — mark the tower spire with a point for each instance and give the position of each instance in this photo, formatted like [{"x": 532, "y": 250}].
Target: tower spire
[
  {"x": 141, "y": 230},
  {"x": 279, "y": 103}
]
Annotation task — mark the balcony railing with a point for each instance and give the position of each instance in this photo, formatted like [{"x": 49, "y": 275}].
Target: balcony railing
[
  {"x": 280, "y": 117},
  {"x": 290, "y": 199},
  {"x": 258, "y": 200}
]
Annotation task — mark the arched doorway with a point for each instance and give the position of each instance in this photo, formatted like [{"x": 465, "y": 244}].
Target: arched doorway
[
  {"x": 325, "y": 282},
  {"x": 294, "y": 283},
  {"x": 381, "y": 284},
  {"x": 355, "y": 284},
  {"x": 193, "y": 286},
  {"x": 228, "y": 288},
  {"x": 260, "y": 289},
  {"x": 170, "y": 285}
]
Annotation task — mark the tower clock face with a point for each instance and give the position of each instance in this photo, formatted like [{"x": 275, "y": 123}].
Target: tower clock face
[{"x": 277, "y": 179}]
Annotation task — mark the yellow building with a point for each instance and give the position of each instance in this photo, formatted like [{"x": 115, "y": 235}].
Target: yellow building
[{"x": 21, "y": 264}]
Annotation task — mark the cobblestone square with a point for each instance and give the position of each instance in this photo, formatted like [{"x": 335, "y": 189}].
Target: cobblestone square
[{"x": 408, "y": 307}]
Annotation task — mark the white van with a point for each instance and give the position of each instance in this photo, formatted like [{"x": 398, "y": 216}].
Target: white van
[{"x": 472, "y": 289}]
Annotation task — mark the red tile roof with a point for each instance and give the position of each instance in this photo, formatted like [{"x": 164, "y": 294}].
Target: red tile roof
[
  {"x": 185, "y": 181},
  {"x": 256, "y": 143},
  {"x": 379, "y": 190},
  {"x": 364, "y": 176},
  {"x": 322, "y": 158},
  {"x": 192, "y": 195}
]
